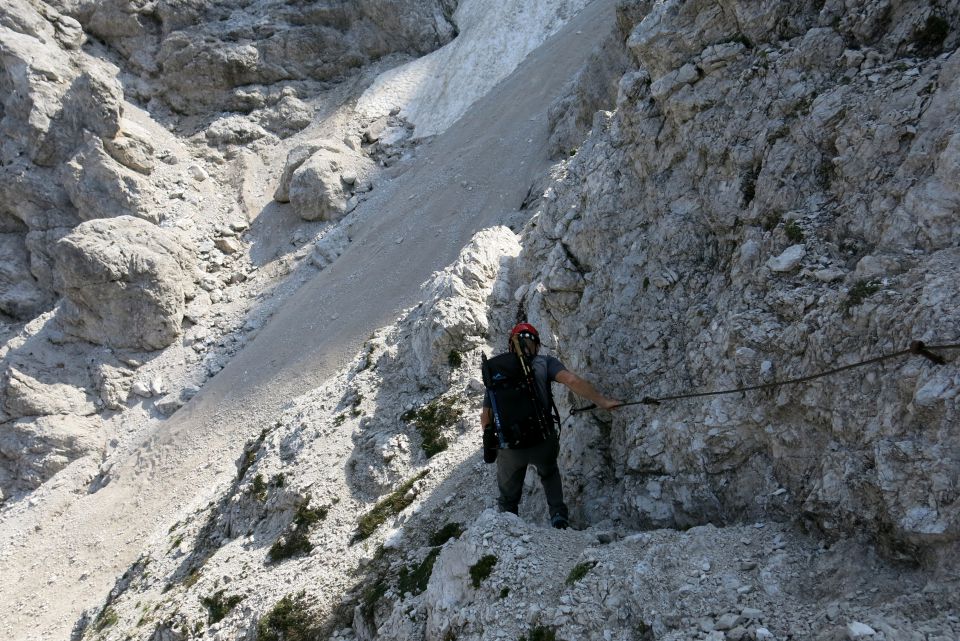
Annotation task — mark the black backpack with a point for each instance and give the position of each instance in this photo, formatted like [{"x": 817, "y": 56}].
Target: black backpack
[{"x": 520, "y": 418}]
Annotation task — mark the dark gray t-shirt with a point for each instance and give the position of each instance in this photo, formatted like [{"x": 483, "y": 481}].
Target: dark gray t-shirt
[{"x": 545, "y": 370}]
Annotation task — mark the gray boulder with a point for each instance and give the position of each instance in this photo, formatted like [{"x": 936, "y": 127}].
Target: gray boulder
[
  {"x": 288, "y": 116},
  {"x": 34, "y": 449},
  {"x": 100, "y": 187},
  {"x": 28, "y": 396},
  {"x": 316, "y": 190},
  {"x": 21, "y": 296},
  {"x": 295, "y": 157},
  {"x": 211, "y": 56},
  {"x": 124, "y": 281}
]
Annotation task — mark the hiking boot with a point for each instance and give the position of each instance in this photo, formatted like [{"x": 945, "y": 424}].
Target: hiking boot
[{"x": 560, "y": 522}]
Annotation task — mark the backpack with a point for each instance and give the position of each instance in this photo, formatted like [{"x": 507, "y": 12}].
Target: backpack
[{"x": 520, "y": 419}]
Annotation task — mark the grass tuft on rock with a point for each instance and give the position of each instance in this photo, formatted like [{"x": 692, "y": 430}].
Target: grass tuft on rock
[
  {"x": 259, "y": 488},
  {"x": 861, "y": 291},
  {"x": 415, "y": 580},
  {"x": 430, "y": 421},
  {"x": 105, "y": 619},
  {"x": 219, "y": 606},
  {"x": 454, "y": 359},
  {"x": 296, "y": 542},
  {"x": 793, "y": 231},
  {"x": 391, "y": 505},
  {"x": 444, "y": 534},
  {"x": 482, "y": 569},
  {"x": 929, "y": 38},
  {"x": 291, "y": 619},
  {"x": 579, "y": 571}
]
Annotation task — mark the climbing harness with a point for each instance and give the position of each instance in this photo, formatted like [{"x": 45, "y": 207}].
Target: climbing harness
[{"x": 917, "y": 348}]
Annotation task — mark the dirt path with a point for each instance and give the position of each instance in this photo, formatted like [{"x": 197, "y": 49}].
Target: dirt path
[{"x": 66, "y": 555}]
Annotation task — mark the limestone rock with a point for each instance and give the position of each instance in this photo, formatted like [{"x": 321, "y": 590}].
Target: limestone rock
[
  {"x": 287, "y": 117},
  {"x": 27, "y": 396},
  {"x": 295, "y": 157},
  {"x": 234, "y": 130},
  {"x": 99, "y": 187},
  {"x": 132, "y": 149},
  {"x": 34, "y": 449},
  {"x": 21, "y": 296},
  {"x": 113, "y": 385},
  {"x": 316, "y": 191},
  {"x": 124, "y": 280},
  {"x": 788, "y": 260},
  {"x": 207, "y": 63}
]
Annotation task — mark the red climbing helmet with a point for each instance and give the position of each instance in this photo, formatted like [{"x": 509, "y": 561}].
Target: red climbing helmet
[{"x": 526, "y": 330}]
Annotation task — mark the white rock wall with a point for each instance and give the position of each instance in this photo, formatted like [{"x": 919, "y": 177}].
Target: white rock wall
[{"x": 768, "y": 200}]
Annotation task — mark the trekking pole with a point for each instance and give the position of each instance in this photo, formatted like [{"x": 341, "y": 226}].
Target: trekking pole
[{"x": 917, "y": 348}]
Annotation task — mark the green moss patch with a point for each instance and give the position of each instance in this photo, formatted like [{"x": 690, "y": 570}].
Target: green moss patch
[
  {"x": 929, "y": 38},
  {"x": 218, "y": 605},
  {"x": 391, "y": 505},
  {"x": 414, "y": 580},
  {"x": 430, "y": 421},
  {"x": 861, "y": 291},
  {"x": 297, "y": 541},
  {"x": 259, "y": 488},
  {"x": 579, "y": 571},
  {"x": 291, "y": 619},
  {"x": 793, "y": 231},
  {"x": 105, "y": 619},
  {"x": 482, "y": 569},
  {"x": 444, "y": 534}
]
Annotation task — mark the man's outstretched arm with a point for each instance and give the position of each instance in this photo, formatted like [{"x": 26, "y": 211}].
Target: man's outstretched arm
[{"x": 583, "y": 388}]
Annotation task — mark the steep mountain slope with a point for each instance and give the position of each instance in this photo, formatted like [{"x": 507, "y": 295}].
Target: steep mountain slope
[
  {"x": 466, "y": 180},
  {"x": 772, "y": 193}
]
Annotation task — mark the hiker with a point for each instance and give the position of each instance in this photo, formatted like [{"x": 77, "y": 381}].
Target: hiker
[{"x": 516, "y": 437}]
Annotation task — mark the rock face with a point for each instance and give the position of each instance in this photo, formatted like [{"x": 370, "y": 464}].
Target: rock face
[
  {"x": 34, "y": 449},
  {"x": 710, "y": 235},
  {"x": 219, "y": 55},
  {"x": 124, "y": 281},
  {"x": 319, "y": 179}
]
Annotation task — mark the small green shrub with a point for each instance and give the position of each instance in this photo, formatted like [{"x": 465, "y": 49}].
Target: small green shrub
[
  {"x": 430, "y": 421},
  {"x": 482, "y": 569},
  {"x": 339, "y": 419},
  {"x": 454, "y": 359},
  {"x": 291, "y": 619},
  {"x": 415, "y": 580},
  {"x": 504, "y": 593},
  {"x": 929, "y": 38},
  {"x": 793, "y": 231},
  {"x": 218, "y": 606},
  {"x": 861, "y": 291},
  {"x": 105, "y": 619},
  {"x": 371, "y": 597},
  {"x": 391, "y": 505},
  {"x": 259, "y": 488},
  {"x": 540, "y": 633},
  {"x": 249, "y": 456},
  {"x": 579, "y": 571},
  {"x": 192, "y": 577},
  {"x": 297, "y": 542},
  {"x": 444, "y": 534}
]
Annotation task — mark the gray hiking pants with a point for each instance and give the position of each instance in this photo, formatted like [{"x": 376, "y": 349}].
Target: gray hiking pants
[{"x": 512, "y": 468}]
